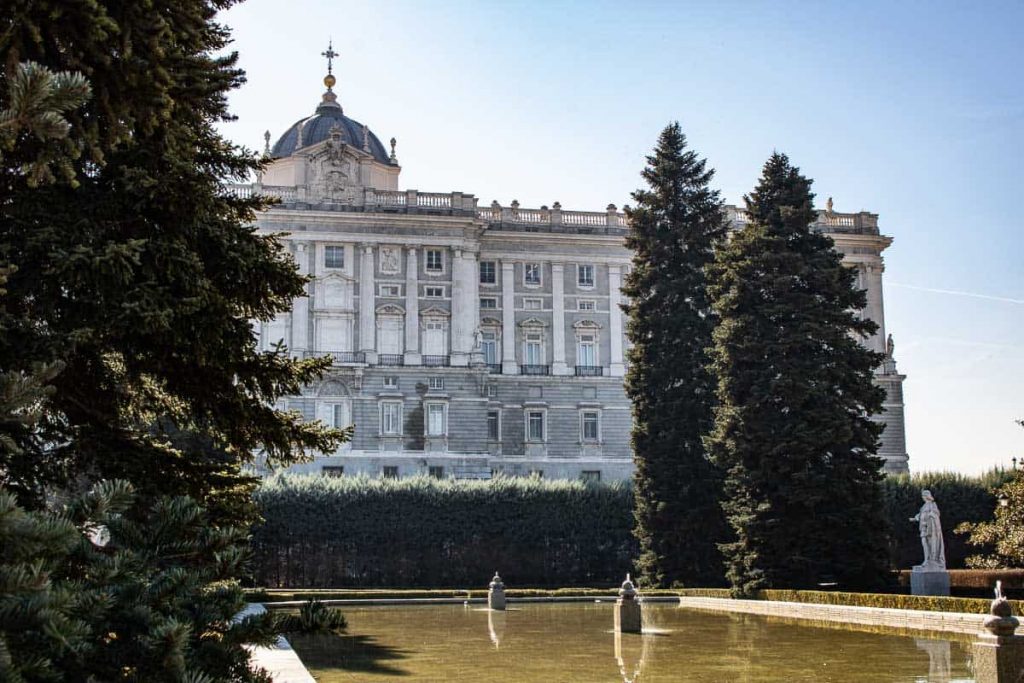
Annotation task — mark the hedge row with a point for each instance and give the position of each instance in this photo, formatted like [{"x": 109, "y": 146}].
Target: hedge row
[
  {"x": 885, "y": 600},
  {"x": 355, "y": 531},
  {"x": 323, "y": 532}
]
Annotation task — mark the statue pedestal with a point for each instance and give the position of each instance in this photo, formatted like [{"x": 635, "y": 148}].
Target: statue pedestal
[
  {"x": 627, "y": 616},
  {"x": 998, "y": 659},
  {"x": 926, "y": 580}
]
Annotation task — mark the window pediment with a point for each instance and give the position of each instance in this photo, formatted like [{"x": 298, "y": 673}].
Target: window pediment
[
  {"x": 586, "y": 325},
  {"x": 533, "y": 322},
  {"x": 435, "y": 312},
  {"x": 390, "y": 309},
  {"x": 490, "y": 322}
]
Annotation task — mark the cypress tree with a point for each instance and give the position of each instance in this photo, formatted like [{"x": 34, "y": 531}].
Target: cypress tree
[
  {"x": 131, "y": 273},
  {"x": 677, "y": 220},
  {"x": 793, "y": 430}
]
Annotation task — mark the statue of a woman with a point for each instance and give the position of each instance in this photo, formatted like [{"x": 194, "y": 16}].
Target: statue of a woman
[{"x": 931, "y": 534}]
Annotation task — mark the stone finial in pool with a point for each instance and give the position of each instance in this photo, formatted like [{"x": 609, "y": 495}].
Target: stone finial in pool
[
  {"x": 1001, "y": 621},
  {"x": 628, "y": 590},
  {"x": 496, "y": 593}
]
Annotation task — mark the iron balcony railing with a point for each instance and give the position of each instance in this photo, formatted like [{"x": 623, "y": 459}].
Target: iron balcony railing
[
  {"x": 534, "y": 369},
  {"x": 436, "y": 361},
  {"x": 339, "y": 357},
  {"x": 589, "y": 371},
  {"x": 391, "y": 359},
  {"x": 494, "y": 368}
]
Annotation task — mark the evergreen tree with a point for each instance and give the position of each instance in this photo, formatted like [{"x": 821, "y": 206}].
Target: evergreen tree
[
  {"x": 136, "y": 274},
  {"x": 672, "y": 231},
  {"x": 793, "y": 430}
]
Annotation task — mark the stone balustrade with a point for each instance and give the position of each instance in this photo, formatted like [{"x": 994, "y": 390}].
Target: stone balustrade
[{"x": 514, "y": 217}]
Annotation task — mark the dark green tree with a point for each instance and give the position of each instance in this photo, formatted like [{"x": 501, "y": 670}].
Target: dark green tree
[
  {"x": 137, "y": 274},
  {"x": 793, "y": 430},
  {"x": 673, "y": 229}
]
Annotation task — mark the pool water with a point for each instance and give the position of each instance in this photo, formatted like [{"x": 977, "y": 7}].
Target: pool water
[{"x": 574, "y": 642}]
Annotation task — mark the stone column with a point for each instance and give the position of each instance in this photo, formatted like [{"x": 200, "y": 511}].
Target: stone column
[
  {"x": 875, "y": 309},
  {"x": 300, "y": 306},
  {"x": 617, "y": 367},
  {"x": 367, "y": 303},
  {"x": 508, "y": 318},
  {"x": 558, "y": 364},
  {"x": 412, "y": 308},
  {"x": 460, "y": 295}
]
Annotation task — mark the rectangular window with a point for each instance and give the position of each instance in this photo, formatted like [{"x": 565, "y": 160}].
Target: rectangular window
[
  {"x": 494, "y": 425},
  {"x": 585, "y": 275},
  {"x": 534, "y": 348},
  {"x": 586, "y": 350},
  {"x": 531, "y": 274},
  {"x": 492, "y": 390},
  {"x": 390, "y": 472},
  {"x": 591, "y": 475},
  {"x": 436, "y": 419},
  {"x": 489, "y": 347},
  {"x": 488, "y": 302},
  {"x": 434, "y": 292},
  {"x": 436, "y": 382},
  {"x": 586, "y": 305},
  {"x": 391, "y": 418},
  {"x": 533, "y": 304},
  {"x": 332, "y": 470},
  {"x": 391, "y": 290},
  {"x": 342, "y": 415},
  {"x": 488, "y": 273},
  {"x": 435, "y": 261},
  {"x": 535, "y": 425},
  {"x": 334, "y": 257},
  {"x": 590, "y": 421},
  {"x": 390, "y": 382},
  {"x": 436, "y": 472}
]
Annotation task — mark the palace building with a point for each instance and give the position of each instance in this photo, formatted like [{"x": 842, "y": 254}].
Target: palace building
[{"x": 473, "y": 339}]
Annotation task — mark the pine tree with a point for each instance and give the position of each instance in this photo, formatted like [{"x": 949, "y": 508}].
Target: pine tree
[
  {"x": 793, "y": 430},
  {"x": 136, "y": 274},
  {"x": 673, "y": 229}
]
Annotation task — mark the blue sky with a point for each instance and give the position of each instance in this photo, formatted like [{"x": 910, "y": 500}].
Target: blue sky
[{"x": 912, "y": 110}]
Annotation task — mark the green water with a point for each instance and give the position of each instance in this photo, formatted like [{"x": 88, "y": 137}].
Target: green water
[{"x": 574, "y": 642}]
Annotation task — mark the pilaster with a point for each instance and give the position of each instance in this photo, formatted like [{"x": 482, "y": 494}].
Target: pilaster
[
  {"x": 558, "y": 364},
  {"x": 508, "y": 319},
  {"x": 875, "y": 308},
  {"x": 300, "y": 306},
  {"x": 412, "y": 308},
  {"x": 367, "y": 301},
  {"x": 617, "y": 367}
]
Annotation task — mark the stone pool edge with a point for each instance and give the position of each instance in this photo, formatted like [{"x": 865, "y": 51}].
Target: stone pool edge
[
  {"x": 920, "y": 620},
  {"x": 280, "y": 660}
]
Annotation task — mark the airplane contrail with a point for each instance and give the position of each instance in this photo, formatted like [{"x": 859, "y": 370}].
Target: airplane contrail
[{"x": 989, "y": 297}]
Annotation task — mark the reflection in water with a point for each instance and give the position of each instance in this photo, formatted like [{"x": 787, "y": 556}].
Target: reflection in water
[
  {"x": 496, "y": 626},
  {"x": 939, "y": 659},
  {"x": 572, "y": 642}
]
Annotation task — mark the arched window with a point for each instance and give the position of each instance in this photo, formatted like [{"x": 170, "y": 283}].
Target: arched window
[{"x": 390, "y": 330}]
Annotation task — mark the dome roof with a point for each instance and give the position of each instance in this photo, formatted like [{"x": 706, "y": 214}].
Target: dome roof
[{"x": 317, "y": 128}]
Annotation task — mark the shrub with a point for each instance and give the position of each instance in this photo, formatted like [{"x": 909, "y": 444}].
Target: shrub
[{"x": 355, "y": 531}]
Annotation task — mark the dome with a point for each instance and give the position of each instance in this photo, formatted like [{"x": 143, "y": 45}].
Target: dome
[{"x": 317, "y": 128}]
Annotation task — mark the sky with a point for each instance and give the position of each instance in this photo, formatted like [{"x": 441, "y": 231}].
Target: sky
[{"x": 911, "y": 110}]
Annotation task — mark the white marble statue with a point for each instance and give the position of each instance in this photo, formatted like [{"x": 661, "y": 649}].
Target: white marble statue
[{"x": 931, "y": 535}]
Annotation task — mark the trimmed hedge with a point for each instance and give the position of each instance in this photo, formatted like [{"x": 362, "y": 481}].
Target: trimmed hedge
[
  {"x": 960, "y": 499},
  {"x": 323, "y": 532},
  {"x": 885, "y": 600},
  {"x": 355, "y": 531}
]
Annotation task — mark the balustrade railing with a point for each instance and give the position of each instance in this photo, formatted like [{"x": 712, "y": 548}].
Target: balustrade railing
[
  {"x": 534, "y": 369},
  {"x": 339, "y": 357},
  {"x": 589, "y": 371},
  {"x": 494, "y": 368},
  {"x": 436, "y": 361},
  {"x": 827, "y": 221},
  {"x": 390, "y": 359}
]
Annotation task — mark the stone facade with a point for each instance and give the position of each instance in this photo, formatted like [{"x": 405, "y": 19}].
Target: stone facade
[{"x": 472, "y": 340}]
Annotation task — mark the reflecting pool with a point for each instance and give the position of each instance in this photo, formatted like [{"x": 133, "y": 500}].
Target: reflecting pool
[{"x": 574, "y": 642}]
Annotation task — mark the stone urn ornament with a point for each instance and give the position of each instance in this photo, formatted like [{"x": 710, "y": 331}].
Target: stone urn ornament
[
  {"x": 1001, "y": 621},
  {"x": 496, "y": 593}
]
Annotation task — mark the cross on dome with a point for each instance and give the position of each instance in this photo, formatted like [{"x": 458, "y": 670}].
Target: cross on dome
[{"x": 330, "y": 54}]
